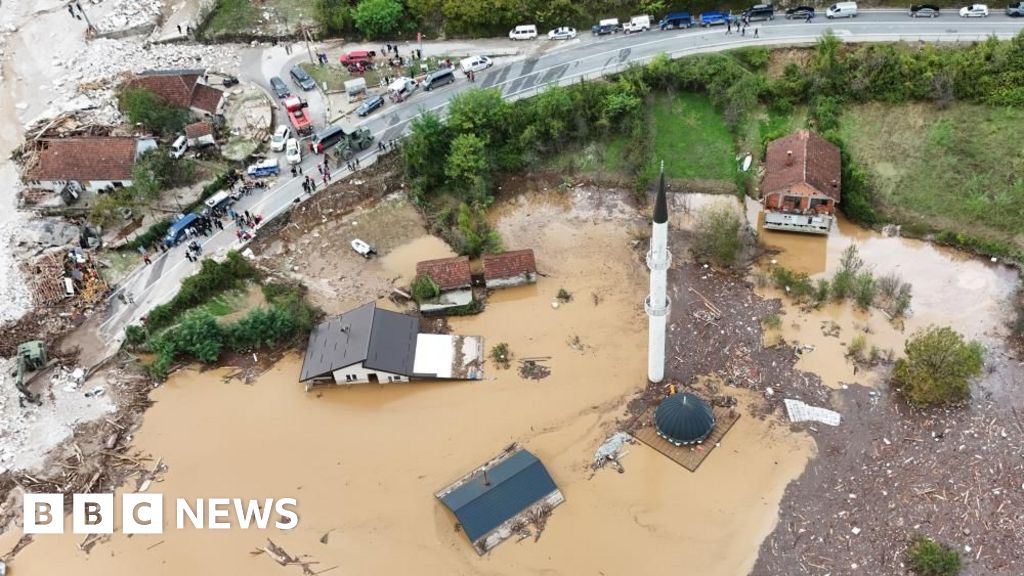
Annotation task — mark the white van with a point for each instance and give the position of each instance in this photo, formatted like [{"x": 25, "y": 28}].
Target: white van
[
  {"x": 523, "y": 32},
  {"x": 841, "y": 10},
  {"x": 475, "y": 63},
  {"x": 637, "y": 24},
  {"x": 179, "y": 147}
]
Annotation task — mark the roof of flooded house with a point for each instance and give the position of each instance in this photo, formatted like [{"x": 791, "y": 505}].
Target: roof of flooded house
[
  {"x": 447, "y": 273},
  {"x": 91, "y": 158},
  {"x": 179, "y": 88},
  {"x": 484, "y": 502},
  {"x": 684, "y": 419},
  {"x": 803, "y": 157},
  {"x": 509, "y": 264},
  {"x": 380, "y": 339},
  {"x": 197, "y": 129}
]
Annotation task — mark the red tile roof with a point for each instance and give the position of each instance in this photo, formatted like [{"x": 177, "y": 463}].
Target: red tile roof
[
  {"x": 174, "y": 89},
  {"x": 815, "y": 161},
  {"x": 197, "y": 129},
  {"x": 85, "y": 159},
  {"x": 509, "y": 264},
  {"x": 206, "y": 98},
  {"x": 448, "y": 273}
]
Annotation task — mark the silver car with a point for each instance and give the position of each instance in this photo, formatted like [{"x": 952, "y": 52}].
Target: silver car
[{"x": 562, "y": 33}]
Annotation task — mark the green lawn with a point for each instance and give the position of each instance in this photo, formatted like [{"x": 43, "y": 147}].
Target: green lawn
[
  {"x": 335, "y": 75},
  {"x": 246, "y": 17},
  {"x": 230, "y": 16},
  {"x": 692, "y": 138},
  {"x": 957, "y": 169}
]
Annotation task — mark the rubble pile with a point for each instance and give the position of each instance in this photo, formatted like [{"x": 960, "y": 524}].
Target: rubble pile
[{"x": 125, "y": 14}]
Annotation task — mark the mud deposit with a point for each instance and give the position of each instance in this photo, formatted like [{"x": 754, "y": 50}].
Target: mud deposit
[{"x": 364, "y": 461}]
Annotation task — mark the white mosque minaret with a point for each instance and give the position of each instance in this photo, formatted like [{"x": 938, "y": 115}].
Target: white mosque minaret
[{"x": 657, "y": 304}]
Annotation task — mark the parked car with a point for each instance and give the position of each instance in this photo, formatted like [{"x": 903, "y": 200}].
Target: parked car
[
  {"x": 1015, "y": 9},
  {"x": 369, "y": 105},
  {"x": 713, "y": 18},
  {"x": 637, "y": 24},
  {"x": 562, "y": 33},
  {"x": 800, "y": 13},
  {"x": 475, "y": 64},
  {"x": 675, "y": 20},
  {"x": 924, "y": 11},
  {"x": 357, "y": 56},
  {"x": 523, "y": 32},
  {"x": 302, "y": 78},
  {"x": 281, "y": 135},
  {"x": 179, "y": 147},
  {"x": 841, "y": 10},
  {"x": 603, "y": 29},
  {"x": 326, "y": 138},
  {"x": 438, "y": 78},
  {"x": 974, "y": 11},
  {"x": 279, "y": 87},
  {"x": 760, "y": 12},
  {"x": 268, "y": 167},
  {"x": 292, "y": 151}
]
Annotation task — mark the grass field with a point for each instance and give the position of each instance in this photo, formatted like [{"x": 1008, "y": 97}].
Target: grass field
[
  {"x": 692, "y": 138},
  {"x": 231, "y": 17},
  {"x": 957, "y": 169}
]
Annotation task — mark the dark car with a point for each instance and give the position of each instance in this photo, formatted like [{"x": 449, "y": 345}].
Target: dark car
[
  {"x": 302, "y": 78},
  {"x": 924, "y": 11},
  {"x": 602, "y": 30},
  {"x": 369, "y": 105},
  {"x": 713, "y": 18},
  {"x": 280, "y": 88},
  {"x": 800, "y": 13},
  {"x": 759, "y": 12},
  {"x": 1015, "y": 9}
]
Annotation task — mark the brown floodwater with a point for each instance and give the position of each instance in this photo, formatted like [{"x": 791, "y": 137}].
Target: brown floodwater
[{"x": 364, "y": 462}]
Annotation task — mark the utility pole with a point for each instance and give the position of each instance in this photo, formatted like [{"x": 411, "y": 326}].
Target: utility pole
[{"x": 306, "y": 36}]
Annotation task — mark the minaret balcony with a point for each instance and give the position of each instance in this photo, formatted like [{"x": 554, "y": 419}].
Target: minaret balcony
[
  {"x": 661, "y": 311},
  {"x": 654, "y": 264}
]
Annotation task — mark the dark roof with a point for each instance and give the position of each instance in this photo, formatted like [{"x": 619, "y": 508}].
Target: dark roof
[
  {"x": 206, "y": 98},
  {"x": 448, "y": 273},
  {"x": 509, "y": 264},
  {"x": 197, "y": 129},
  {"x": 683, "y": 419},
  {"x": 514, "y": 484},
  {"x": 382, "y": 339},
  {"x": 661, "y": 203},
  {"x": 815, "y": 161},
  {"x": 85, "y": 159}
]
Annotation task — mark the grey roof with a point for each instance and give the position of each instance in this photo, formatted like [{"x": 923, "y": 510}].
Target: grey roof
[
  {"x": 515, "y": 484},
  {"x": 382, "y": 339},
  {"x": 683, "y": 419}
]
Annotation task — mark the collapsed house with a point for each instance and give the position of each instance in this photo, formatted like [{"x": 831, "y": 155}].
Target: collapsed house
[
  {"x": 501, "y": 498},
  {"x": 369, "y": 344},
  {"x": 513, "y": 268},
  {"x": 802, "y": 183}
]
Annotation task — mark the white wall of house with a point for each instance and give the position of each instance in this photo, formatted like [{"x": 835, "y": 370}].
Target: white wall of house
[
  {"x": 93, "y": 186},
  {"x": 524, "y": 278},
  {"x": 358, "y": 374}
]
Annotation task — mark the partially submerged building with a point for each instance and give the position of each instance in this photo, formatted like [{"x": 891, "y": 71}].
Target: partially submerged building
[
  {"x": 75, "y": 165},
  {"x": 802, "y": 183},
  {"x": 369, "y": 344},
  {"x": 453, "y": 279},
  {"x": 507, "y": 269},
  {"x": 493, "y": 501}
]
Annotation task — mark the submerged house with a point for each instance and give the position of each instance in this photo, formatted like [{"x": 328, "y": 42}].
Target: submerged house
[
  {"x": 453, "y": 279},
  {"x": 802, "y": 183},
  {"x": 492, "y": 501},
  {"x": 369, "y": 344},
  {"x": 509, "y": 269}
]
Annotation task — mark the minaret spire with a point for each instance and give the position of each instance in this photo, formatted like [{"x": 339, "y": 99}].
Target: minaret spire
[{"x": 657, "y": 303}]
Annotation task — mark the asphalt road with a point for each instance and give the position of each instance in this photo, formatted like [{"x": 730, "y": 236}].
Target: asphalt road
[{"x": 556, "y": 63}]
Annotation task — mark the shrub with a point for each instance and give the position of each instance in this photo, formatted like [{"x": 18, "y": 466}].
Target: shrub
[
  {"x": 291, "y": 300},
  {"x": 378, "y": 18},
  {"x": 822, "y": 289},
  {"x": 501, "y": 355},
  {"x": 262, "y": 327},
  {"x": 895, "y": 294},
  {"x": 797, "y": 285},
  {"x": 334, "y": 16},
  {"x": 929, "y": 558},
  {"x": 213, "y": 278},
  {"x": 857, "y": 347},
  {"x": 773, "y": 321},
  {"x": 475, "y": 234},
  {"x": 135, "y": 335},
  {"x": 143, "y": 107},
  {"x": 717, "y": 236},
  {"x": 938, "y": 367},
  {"x": 864, "y": 289},
  {"x": 424, "y": 288}
]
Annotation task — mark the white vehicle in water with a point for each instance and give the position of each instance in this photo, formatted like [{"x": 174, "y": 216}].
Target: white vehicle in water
[{"x": 362, "y": 248}]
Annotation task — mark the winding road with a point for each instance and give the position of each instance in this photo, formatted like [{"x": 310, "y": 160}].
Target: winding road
[{"x": 558, "y": 64}]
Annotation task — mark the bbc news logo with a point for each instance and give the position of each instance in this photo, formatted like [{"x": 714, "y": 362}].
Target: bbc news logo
[{"x": 144, "y": 513}]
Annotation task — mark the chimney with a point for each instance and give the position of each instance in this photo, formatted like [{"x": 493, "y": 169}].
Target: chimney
[{"x": 789, "y": 157}]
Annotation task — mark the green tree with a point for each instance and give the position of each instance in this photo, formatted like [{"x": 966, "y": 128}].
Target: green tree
[
  {"x": 143, "y": 107},
  {"x": 198, "y": 335},
  {"x": 424, "y": 152},
  {"x": 468, "y": 168},
  {"x": 378, "y": 18},
  {"x": 165, "y": 170},
  {"x": 334, "y": 16},
  {"x": 717, "y": 236},
  {"x": 481, "y": 112},
  {"x": 424, "y": 288},
  {"x": 929, "y": 558},
  {"x": 475, "y": 234},
  {"x": 938, "y": 367}
]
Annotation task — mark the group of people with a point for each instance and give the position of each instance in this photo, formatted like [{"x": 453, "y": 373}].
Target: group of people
[
  {"x": 193, "y": 251},
  {"x": 243, "y": 221}
]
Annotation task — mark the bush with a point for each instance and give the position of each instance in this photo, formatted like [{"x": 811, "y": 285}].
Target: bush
[
  {"x": 213, "y": 278},
  {"x": 334, "y": 16},
  {"x": 424, "y": 288},
  {"x": 717, "y": 236},
  {"x": 938, "y": 367},
  {"x": 857, "y": 347},
  {"x": 291, "y": 300},
  {"x": 822, "y": 289},
  {"x": 501, "y": 355},
  {"x": 929, "y": 558},
  {"x": 141, "y": 106},
  {"x": 797, "y": 285},
  {"x": 262, "y": 327},
  {"x": 377, "y": 18},
  {"x": 563, "y": 296},
  {"x": 772, "y": 321},
  {"x": 135, "y": 335},
  {"x": 475, "y": 235},
  {"x": 864, "y": 289}
]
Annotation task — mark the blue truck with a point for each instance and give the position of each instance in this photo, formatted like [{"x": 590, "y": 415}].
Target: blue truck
[
  {"x": 713, "y": 18},
  {"x": 177, "y": 230},
  {"x": 676, "y": 20}
]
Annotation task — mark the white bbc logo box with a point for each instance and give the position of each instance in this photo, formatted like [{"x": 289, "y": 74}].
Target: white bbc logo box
[{"x": 94, "y": 514}]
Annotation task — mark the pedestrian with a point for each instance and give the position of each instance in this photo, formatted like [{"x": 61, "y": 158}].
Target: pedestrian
[
  {"x": 71, "y": 11},
  {"x": 300, "y": 170},
  {"x": 808, "y": 19},
  {"x": 179, "y": 28},
  {"x": 294, "y": 172},
  {"x": 755, "y": 32},
  {"x": 246, "y": 212},
  {"x": 320, "y": 169},
  {"x": 188, "y": 29},
  {"x": 145, "y": 258},
  {"x": 357, "y": 163},
  {"x": 325, "y": 180},
  {"x": 188, "y": 256},
  {"x": 728, "y": 26},
  {"x": 743, "y": 31}
]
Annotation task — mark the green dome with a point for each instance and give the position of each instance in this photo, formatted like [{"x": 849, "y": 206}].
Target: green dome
[{"x": 683, "y": 419}]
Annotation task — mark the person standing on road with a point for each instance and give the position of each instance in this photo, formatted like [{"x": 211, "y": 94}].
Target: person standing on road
[
  {"x": 808, "y": 19},
  {"x": 755, "y": 32},
  {"x": 728, "y": 26}
]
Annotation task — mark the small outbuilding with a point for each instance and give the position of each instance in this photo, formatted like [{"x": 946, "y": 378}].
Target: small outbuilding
[
  {"x": 506, "y": 492},
  {"x": 453, "y": 279},
  {"x": 199, "y": 134},
  {"x": 509, "y": 269},
  {"x": 683, "y": 419}
]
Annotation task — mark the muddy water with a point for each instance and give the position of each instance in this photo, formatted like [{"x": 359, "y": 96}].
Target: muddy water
[
  {"x": 402, "y": 260},
  {"x": 365, "y": 461},
  {"x": 949, "y": 288}
]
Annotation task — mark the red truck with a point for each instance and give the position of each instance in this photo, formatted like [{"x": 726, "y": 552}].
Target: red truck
[{"x": 297, "y": 115}]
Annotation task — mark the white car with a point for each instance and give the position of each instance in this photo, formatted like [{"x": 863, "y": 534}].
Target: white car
[
  {"x": 974, "y": 11},
  {"x": 280, "y": 137},
  {"x": 562, "y": 33},
  {"x": 292, "y": 151},
  {"x": 475, "y": 64}
]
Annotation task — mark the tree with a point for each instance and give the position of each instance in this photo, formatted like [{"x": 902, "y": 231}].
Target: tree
[
  {"x": 717, "y": 236},
  {"x": 334, "y": 16},
  {"x": 929, "y": 558},
  {"x": 143, "y": 107},
  {"x": 475, "y": 235},
  {"x": 378, "y": 18},
  {"x": 424, "y": 288},
  {"x": 938, "y": 367},
  {"x": 468, "y": 168},
  {"x": 481, "y": 112},
  {"x": 424, "y": 152}
]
